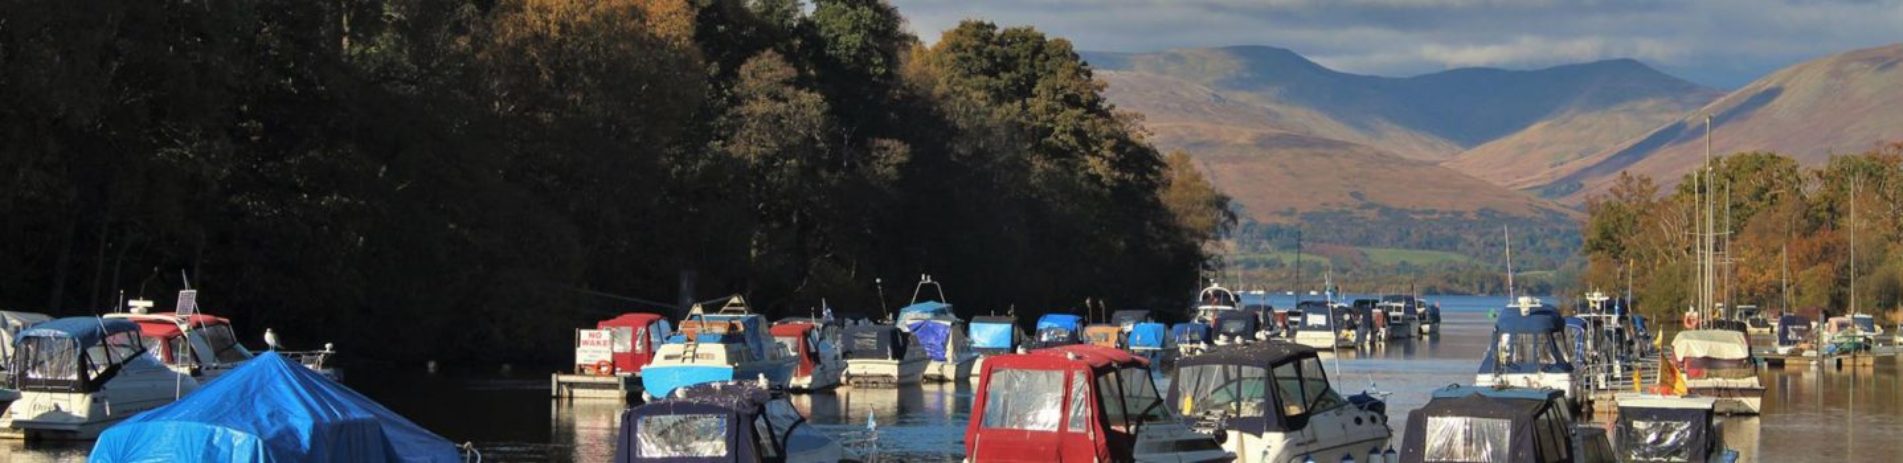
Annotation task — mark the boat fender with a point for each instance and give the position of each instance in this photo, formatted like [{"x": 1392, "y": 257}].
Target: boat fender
[{"x": 604, "y": 368}]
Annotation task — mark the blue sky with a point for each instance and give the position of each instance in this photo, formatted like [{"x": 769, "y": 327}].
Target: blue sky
[{"x": 1720, "y": 43}]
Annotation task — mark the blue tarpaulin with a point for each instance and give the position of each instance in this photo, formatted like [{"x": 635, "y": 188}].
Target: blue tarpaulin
[
  {"x": 272, "y": 409},
  {"x": 933, "y": 337},
  {"x": 991, "y": 335},
  {"x": 1148, "y": 335},
  {"x": 1065, "y": 321}
]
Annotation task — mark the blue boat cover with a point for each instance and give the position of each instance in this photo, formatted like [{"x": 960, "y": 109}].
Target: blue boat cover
[
  {"x": 272, "y": 409},
  {"x": 1190, "y": 332},
  {"x": 1544, "y": 319},
  {"x": 1067, "y": 322},
  {"x": 933, "y": 336},
  {"x": 991, "y": 335},
  {"x": 1149, "y": 335},
  {"x": 86, "y": 330},
  {"x": 1792, "y": 330}
]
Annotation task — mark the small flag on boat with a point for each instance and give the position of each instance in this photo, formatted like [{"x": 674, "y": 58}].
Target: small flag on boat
[{"x": 1671, "y": 381}]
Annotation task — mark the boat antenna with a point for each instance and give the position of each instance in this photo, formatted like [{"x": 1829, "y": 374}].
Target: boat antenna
[
  {"x": 880, "y": 284},
  {"x": 1509, "y": 240}
]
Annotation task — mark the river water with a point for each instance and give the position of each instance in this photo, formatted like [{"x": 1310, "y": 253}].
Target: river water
[{"x": 1808, "y": 416}]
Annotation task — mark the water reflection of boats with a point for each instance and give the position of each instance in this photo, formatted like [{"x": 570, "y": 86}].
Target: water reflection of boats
[
  {"x": 731, "y": 344},
  {"x": 1670, "y": 429},
  {"x": 1718, "y": 364},
  {"x": 722, "y": 421},
  {"x": 1272, "y": 402},
  {"x": 589, "y": 426},
  {"x": 79, "y": 375},
  {"x": 273, "y": 409},
  {"x": 1524, "y": 351},
  {"x": 1077, "y": 403},
  {"x": 820, "y": 365},
  {"x": 1501, "y": 425},
  {"x": 882, "y": 355}
]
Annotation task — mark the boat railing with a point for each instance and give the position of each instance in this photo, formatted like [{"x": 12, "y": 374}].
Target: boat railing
[{"x": 313, "y": 359}]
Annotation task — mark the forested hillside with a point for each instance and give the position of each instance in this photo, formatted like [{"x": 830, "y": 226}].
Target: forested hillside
[{"x": 464, "y": 179}]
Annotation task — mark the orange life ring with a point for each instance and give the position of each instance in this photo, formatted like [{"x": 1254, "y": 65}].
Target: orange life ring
[{"x": 604, "y": 368}]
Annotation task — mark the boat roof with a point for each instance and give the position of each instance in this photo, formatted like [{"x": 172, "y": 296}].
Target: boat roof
[
  {"x": 1261, "y": 354},
  {"x": 792, "y": 328},
  {"x": 85, "y": 330},
  {"x": 1542, "y": 319},
  {"x": 193, "y": 320},
  {"x": 1666, "y": 401},
  {"x": 998, "y": 319},
  {"x": 1718, "y": 344},
  {"x": 633, "y": 319},
  {"x": 1515, "y": 393},
  {"x": 1075, "y": 356},
  {"x": 927, "y": 308},
  {"x": 1060, "y": 320}
]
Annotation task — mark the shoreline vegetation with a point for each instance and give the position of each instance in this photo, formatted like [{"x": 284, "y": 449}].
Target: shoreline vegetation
[
  {"x": 471, "y": 180},
  {"x": 1786, "y": 223}
]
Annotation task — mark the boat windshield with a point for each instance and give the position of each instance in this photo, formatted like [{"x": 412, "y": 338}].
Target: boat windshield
[
  {"x": 1235, "y": 390},
  {"x": 47, "y": 360},
  {"x": 1867, "y": 324},
  {"x": 1054, "y": 334},
  {"x": 224, "y": 346},
  {"x": 1526, "y": 352},
  {"x": 1467, "y": 439},
  {"x": 1130, "y": 398},
  {"x": 1646, "y": 440},
  {"x": 1024, "y": 399},
  {"x": 788, "y": 345},
  {"x": 675, "y": 436}
]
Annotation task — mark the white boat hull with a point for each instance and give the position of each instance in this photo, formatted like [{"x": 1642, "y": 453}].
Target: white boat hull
[
  {"x": 825, "y": 375},
  {"x": 83, "y": 415},
  {"x": 1430, "y": 328},
  {"x": 1322, "y": 340},
  {"x": 1555, "y": 381},
  {"x": 885, "y": 372},
  {"x": 948, "y": 371}
]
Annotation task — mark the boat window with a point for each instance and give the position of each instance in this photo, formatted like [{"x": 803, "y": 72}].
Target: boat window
[
  {"x": 1644, "y": 440},
  {"x": 1288, "y": 389},
  {"x": 1548, "y": 432},
  {"x": 1111, "y": 398},
  {"x": 224, "y": 346},
  {"x": 1239, "y": 391},
  {"x": 1053, "y": 334},
  {"x": 1024, "y": 399},
  {"x": 178, "y": 350},
  {"x": 48, "y": 360},
  {"x": 788, "y": 345},
  {"x": 1315, "y": 389},
  {"x": 1528, "y": 351},
  {"x": 1079, "y": 402},
  {"x": 673, "y": 436},
  {"x": 1461, "y": 439},
  {"x": 1142, "y": 403}
]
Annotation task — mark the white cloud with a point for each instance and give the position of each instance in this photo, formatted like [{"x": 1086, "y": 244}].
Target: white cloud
[{"x": 1723, "y": 42}]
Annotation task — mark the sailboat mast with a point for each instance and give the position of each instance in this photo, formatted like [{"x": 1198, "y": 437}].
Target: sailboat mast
[{"x": 1511, "y": 296}]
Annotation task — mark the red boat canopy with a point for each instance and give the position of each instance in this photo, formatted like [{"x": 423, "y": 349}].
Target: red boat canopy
[
  {"x": 637, "y": 335},
  {"x": 1050, "y": 404},
  {"x": 783, "y": 330},
  {"x": 800, "y": 332},
  {"x": 631, "y": 320}
]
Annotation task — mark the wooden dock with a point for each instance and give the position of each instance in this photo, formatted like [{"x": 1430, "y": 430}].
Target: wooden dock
[{"x": 574, "y": 386}]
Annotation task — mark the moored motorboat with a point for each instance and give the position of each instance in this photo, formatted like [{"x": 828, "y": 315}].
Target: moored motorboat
[
  {"x": 1149, "y": 340},
  {"x": 1238, "y": 327},
  {"x": 882, "y": 355},
  {"x": 1325, "y": 327},
  {"x": 1104, "y": 335},
  {"x": 1669, "y": 429},
  {"x": 79, "y": 375},
  {"x": 273, "y": 409},
  {"x": 731, "y": 344},
  {"x": 1403, "y": 316},
  {"x": 1430, "y": 318},
  {"x": 1077, "y": 403},
  {"x": 1718, "y": 364},
  {"x": 1272, "y": 402},
  {"x": 992, "y": 335},
  {"x": 942, "y": 335},
  {"x": 1058, "y": 329},
  {"x": 11, "y": 323},
  {"x": 195, "y": 344},
  {"x": 1794, "y": 336},
  {"x": 737, "y": 421},
  {"x": 1524, "y": 351},
  {"x": 820, "y": 365},
  {"x": 609, "y": 358},
  {"x": 1486, "y": 424},
  {"x": 1191, "y": 338}
]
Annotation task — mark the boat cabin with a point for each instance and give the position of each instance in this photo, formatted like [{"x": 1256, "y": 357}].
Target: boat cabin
[
  {"x": 1668, "y": 429},
  {"x": 1076, "y": 403},
  {"x": 801, "y": 341},
  {"x": 720, "y": 422},
  {"x": 1058, "y": 329},
  {"x": 75, "y": 354},
  {"x": 1793, "y": 330},
  {"x": 881, "y": 342},
  {"x": 1525, "y": 351},
  {"x": 1215, "y": 300},
  {"x": 1147, "y": 336},
  {"x": 188, "y": 341},
  {"x": 1103, "y": 335},
  {"x": 1706, "y": 354},
  {"x": 994, "y": 334},
  {"x": 1261, "y": 397},
  {"x": 1237, "y": 327},
  {"x": 1129, "y": 318},
  {"x": 11, "y": 323},
  {"x": 1484, "y": 424},
  {"x": 635, "y": 337}
]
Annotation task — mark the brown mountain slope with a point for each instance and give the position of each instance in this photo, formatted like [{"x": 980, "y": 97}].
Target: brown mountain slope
[
  {"x": 1524, "y": 158},
  {"x": 1839, "y": 104},
  {"x": 1170, "y": 100},
  {"x": 1277, "y": 175}
]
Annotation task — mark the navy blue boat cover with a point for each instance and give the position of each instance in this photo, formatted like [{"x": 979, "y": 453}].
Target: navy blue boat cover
[{"x": 272, "y": 409}]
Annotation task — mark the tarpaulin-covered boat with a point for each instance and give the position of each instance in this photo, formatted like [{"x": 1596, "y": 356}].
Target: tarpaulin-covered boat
[
  {"x": 1058, "y": 329},
  {"x": 1669, "y": 429},
  {"x": 882, "y": 355},
  {"x": 736, "y": 422},
  {"x": 942, "y": 335},
  {"x": 1077, "y": 403},
  {"x": 1515, "y": 425},
  {"x": 272, "y": 410},
  {"x": 1718, "y": 363},
  {"x": 992, "y": 335}
]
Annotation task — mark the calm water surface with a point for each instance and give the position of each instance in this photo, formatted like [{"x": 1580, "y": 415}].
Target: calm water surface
[{"x": 1808, "y": 416}]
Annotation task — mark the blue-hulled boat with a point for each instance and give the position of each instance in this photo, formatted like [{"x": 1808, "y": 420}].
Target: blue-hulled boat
[{"x": 731, "y": 344}]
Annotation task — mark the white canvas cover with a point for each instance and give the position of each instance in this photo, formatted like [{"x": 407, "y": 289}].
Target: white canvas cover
[
  {"x": 1716, "y": 344},
  {"x": 10, "y": 325}
]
